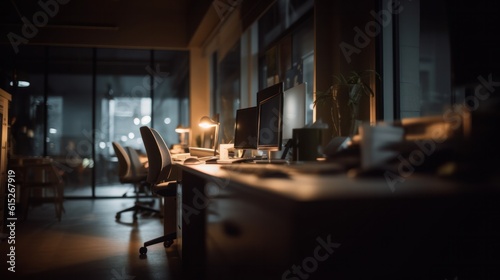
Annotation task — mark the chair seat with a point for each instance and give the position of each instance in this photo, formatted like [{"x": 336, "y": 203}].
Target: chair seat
[{"x": 134, "y": 180}]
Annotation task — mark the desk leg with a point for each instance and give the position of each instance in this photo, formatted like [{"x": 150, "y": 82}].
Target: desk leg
[{"x": 193, "y": 227}]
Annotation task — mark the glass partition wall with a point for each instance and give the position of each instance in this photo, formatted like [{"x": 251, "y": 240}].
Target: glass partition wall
[
  {"x": 69, "y": 116},
  {"x": 82, "y": 99}
]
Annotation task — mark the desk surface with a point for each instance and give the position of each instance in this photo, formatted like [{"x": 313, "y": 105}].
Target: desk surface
[{"x": 303, "y": 186}]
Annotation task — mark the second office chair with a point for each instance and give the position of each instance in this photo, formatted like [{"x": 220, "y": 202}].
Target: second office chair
[{"x": 130, "y": 173}]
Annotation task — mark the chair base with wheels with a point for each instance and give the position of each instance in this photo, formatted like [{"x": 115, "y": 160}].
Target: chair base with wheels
[
  {"x": 167, "y": 190},
  {"x": 137, "y": 208},
  {"x": 167, "y": 240}
]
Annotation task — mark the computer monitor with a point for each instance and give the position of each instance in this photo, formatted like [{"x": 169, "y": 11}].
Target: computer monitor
[
  {"x": 245, "y": 128},
  {"x": 294, "y": 110},
  {"x": 270, "y": 123},
  {"x": 269, "y": 91}
]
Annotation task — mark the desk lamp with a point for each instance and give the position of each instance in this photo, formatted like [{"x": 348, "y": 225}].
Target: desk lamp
[
  {"x": 206, "y": 122},
  {"x": 182, "y": 135}
]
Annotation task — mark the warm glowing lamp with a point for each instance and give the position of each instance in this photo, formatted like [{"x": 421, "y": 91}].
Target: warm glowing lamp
[{"x": 206, "y": 122}]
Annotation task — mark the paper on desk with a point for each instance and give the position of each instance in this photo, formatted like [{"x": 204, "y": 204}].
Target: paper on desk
[{"x": 374, "y": 139}]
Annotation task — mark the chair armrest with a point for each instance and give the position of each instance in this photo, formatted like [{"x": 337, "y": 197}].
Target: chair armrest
[{"x": 166, "y": 188}]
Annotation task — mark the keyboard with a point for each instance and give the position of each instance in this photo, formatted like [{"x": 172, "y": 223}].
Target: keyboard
[
  {"x": 231, "y": 160},
  {"x": 257, "y": 170},
  {"x": 290, "y": 168},
  {"x": 201, "y": 152}
]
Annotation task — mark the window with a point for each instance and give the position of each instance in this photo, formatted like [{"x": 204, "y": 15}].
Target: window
[
  {"x": 136, "y": 88},
  {"x": 82, "y": 99},
  {"x": 228, "y": 98},
  {"x": 288, "y": 54},
  {"x": 441, "y": 49},
  {"x": 277, "y": 47}
]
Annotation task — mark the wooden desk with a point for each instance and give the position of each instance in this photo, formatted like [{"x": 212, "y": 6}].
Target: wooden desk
[
  {"x": 38, "y": 173},
  {"x": 310, "y": 226}
]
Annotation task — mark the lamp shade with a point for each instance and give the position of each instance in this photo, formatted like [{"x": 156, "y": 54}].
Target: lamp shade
[
  {"x": 206, "y": 122},
  {"x": 181, "y": 129}
]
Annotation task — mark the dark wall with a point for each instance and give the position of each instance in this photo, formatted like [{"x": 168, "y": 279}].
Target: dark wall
[
  {"x": 121, "y": 24},
  {"x": 475, "y": 39}
]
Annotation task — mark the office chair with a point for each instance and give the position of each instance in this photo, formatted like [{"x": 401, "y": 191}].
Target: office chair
[
  {"x": 138, "y": 169},
  {"x": 135, "y": 174},
  {"x": 160, "y": 167}
]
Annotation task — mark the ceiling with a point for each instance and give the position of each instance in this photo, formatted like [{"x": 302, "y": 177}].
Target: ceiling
[{"x": 160, "y": 24}]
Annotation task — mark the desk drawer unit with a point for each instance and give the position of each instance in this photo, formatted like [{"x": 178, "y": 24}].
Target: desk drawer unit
[{"x": 245, "y": 236}]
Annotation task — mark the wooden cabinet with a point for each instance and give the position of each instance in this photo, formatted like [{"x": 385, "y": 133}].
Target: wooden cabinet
[{"x": 5, "y": 98}]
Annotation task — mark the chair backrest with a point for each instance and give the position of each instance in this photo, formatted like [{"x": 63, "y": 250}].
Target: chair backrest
[
  {"x": 165, "y": 155},
  {"x": 124, "y": 165},
  {"x": 159, "y": 158},
  {"x": 136, "y": 166}
]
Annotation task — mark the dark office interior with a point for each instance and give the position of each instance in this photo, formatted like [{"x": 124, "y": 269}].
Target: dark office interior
[{"x": 384, "y": 164}]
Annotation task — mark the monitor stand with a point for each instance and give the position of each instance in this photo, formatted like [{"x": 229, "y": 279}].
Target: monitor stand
[
  {"x": 270, "y": 160},
  {"x": 288, "y": 145}
]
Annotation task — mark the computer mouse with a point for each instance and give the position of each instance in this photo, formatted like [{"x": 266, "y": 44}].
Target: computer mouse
[{"x": 192, "y": 160}]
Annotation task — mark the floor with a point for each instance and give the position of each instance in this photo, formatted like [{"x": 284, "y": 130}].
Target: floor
[
  {"x": 109, "y": 190},
  {"x": 88, "y": 243}
]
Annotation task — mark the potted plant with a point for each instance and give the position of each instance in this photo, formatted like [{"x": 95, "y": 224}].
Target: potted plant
[{"x": 344, "y": 97}]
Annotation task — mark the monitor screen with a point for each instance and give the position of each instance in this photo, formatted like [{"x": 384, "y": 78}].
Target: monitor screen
[
  {"x": 294, "y": 109},
  {"x": 269, "y": 91},
  {"x": 270, "y": 123},
  {"x": 245, "y": 129}
]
